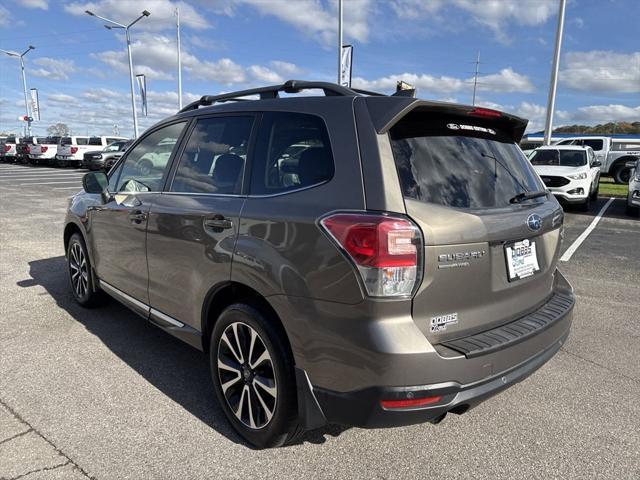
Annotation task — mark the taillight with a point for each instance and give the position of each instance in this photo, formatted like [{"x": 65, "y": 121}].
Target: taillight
[
  {"x": 485, "y": 112},
  {"x": 27, "y": 149},
  {"x": 7, "y": 148},
  {"x": 74, "y": 150},
  {"x": 385, "y": 250},
  {"x": 43, "y": 149}
]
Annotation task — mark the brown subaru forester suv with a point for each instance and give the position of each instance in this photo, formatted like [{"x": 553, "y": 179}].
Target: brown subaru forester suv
[{"x": 350, "y": 257}]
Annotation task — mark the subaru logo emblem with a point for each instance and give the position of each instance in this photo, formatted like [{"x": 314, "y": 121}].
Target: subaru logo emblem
[{"x": 534, "y": 222}]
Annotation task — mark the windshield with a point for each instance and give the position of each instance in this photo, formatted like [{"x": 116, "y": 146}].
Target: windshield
[
  {"x": 559, "y": 158},
  {"x": 114, "y": 147},
  {"x": 446, "y": 163}
]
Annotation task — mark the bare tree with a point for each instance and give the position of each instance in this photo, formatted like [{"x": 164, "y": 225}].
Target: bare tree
[{"x": 58, "y": 130}]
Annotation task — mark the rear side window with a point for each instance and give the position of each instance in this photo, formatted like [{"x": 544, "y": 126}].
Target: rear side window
[
  {"x": 93, "y": 141},
  {"x": 458, "y": 162},
  {"x": 595, "y": 144},
  {"x": 292, "y": 152},
  {"x": 82, "y": 141},
  {"x": 214, "y": 158}
]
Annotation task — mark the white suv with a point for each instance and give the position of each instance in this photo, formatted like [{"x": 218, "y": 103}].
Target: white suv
[{"x": 570, "y": 172}]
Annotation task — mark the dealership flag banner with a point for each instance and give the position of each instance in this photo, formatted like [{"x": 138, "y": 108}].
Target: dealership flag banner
[
  {"x": 345, "y": 65},
  {"x": 35, "y": 105},
  {"x": 142, "y": 85}
]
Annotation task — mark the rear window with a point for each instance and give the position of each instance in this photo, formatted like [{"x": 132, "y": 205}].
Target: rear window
[
  {"x": 292, "y": 152},
  {"x": 10, "y": 140},
  {"x": 65, "y": 141},
  {"x": 93, "y": 141},
  {"x": 560, "y": 158},
  {"x": 458, "y": 162}
]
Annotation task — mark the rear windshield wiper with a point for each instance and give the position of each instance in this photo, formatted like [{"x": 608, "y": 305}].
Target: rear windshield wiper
[{"x": 521, "y": 197}]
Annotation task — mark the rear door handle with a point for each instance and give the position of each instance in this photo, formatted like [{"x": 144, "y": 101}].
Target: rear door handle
[
  {"x": 218, "y": 223},
  {"x": 137, "y": 216}
]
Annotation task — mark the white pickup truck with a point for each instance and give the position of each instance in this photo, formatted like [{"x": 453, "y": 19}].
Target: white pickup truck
[{"x": 614, "y": 154}]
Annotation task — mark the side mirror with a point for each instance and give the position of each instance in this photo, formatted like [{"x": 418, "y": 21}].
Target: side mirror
[
  {"x": 597, "y": 163},
  {"x": 96, "y": 182}
]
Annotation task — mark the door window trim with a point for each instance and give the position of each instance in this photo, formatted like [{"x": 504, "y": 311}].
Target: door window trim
[
  {"x": 187, "y": 121},
  {"x": 257, "y": 118}
]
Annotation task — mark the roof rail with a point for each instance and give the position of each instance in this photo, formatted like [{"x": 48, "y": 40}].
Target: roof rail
[{"x": 290, "y": 86}]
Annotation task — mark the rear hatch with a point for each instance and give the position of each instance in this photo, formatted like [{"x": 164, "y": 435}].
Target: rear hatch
[
  {"x": 65, "y": 147},
  {"x": 489, "y": 253}
]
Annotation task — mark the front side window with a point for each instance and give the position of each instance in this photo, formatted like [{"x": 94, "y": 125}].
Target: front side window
[
  {"x": 144, "y": 168},
  {"x": 456, "y": 162},
  {"x": 292, "y": 151},
  {"x": 214, "y": 157},
  {"x": 559, "y": 158}
]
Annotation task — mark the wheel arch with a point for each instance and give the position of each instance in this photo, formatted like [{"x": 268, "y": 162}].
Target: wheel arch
[
  {"x": 621, "y": 162},
  {"x": 223, "y": 295}
]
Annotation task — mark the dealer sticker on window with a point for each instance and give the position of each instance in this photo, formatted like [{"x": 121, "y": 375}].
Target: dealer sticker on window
[
  {"x": 522, "y": 259},
  {"x": 441, "y": 322}
]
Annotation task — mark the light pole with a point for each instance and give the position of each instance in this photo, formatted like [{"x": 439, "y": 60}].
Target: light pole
[
  {"x": 179, "y": 59},
  {"x": 551, "y": 102},
  {"x": 24, "y": 82},
  {"x": 340, "y": 13},
  {"x": 126, "y": 28}
]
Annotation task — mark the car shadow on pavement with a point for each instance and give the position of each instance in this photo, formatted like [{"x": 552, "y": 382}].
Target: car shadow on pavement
[
  {"x": 178, "y": 370},
  {"x": 616, "y": 210}
]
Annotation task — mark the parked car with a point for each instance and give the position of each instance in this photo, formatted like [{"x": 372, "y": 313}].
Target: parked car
[
  {"x": 403, "y": 268},
  {"x": 613, "y": 155},
  {"x": 633, "y": 197},
  {"x": 104, "y": 159},
  {"x": 24, "y": 147},
  {"x": 8, "y": 150},
  {"x": 71, "y": 150},
  {"x": 43, "y": 151},
  {"x": 571, "y": 173}
]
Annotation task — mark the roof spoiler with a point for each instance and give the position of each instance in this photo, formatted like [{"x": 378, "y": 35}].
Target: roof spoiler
[{"x": 387, "y": 111}]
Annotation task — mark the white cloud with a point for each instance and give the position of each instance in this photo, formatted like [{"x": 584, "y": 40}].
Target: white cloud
[
  {"x": 53, "y": 69},
  {"x": 264, "y": 74},
  {"x": 224, "y": 71},
  {"x": 6, "y": 19},
  {"x": 285, "y": 68},
  {"x": 607, "y": 113},
  {"x": 318, "y": 20},
  {"x": 162, "y": 13},
  {"x": 42, "y": 4},
  {"x": 62, "y": 98},
  {"x": 601, "y": 71},
  {"x": 494, "y": 14},
  {"x": 505, "y": 81}
]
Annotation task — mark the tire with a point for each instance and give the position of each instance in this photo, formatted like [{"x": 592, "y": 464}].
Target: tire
[
  {"x": 594, "y": 194},
  {"x": 263, "y": 419},
  {"x": 80, "y": 277},
  {"x": 621, "y": 175},
  {"x": 586, "y": 205}
]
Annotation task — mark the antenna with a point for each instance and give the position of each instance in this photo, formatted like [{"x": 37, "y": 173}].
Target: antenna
[{"x": 475, "y": 79}]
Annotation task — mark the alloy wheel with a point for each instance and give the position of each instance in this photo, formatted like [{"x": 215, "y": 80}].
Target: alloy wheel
[
  {"x": 247, "y": 375},
  {"x": 78, "y": 270}
]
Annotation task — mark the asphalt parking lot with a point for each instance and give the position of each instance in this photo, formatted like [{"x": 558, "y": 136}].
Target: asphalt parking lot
[{"x": 101, "y": 394}]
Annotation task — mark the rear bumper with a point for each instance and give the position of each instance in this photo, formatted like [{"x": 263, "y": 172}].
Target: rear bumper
[
  {"x": 356, "y": 356},
  {"x": 363, "y": 408}
]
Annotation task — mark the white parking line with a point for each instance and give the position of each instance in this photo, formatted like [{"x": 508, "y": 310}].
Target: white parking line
[{"x": 583, "y": 236}]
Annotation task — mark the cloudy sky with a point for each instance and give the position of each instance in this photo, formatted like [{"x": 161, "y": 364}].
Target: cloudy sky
[{"x": 81, "y": 71}]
